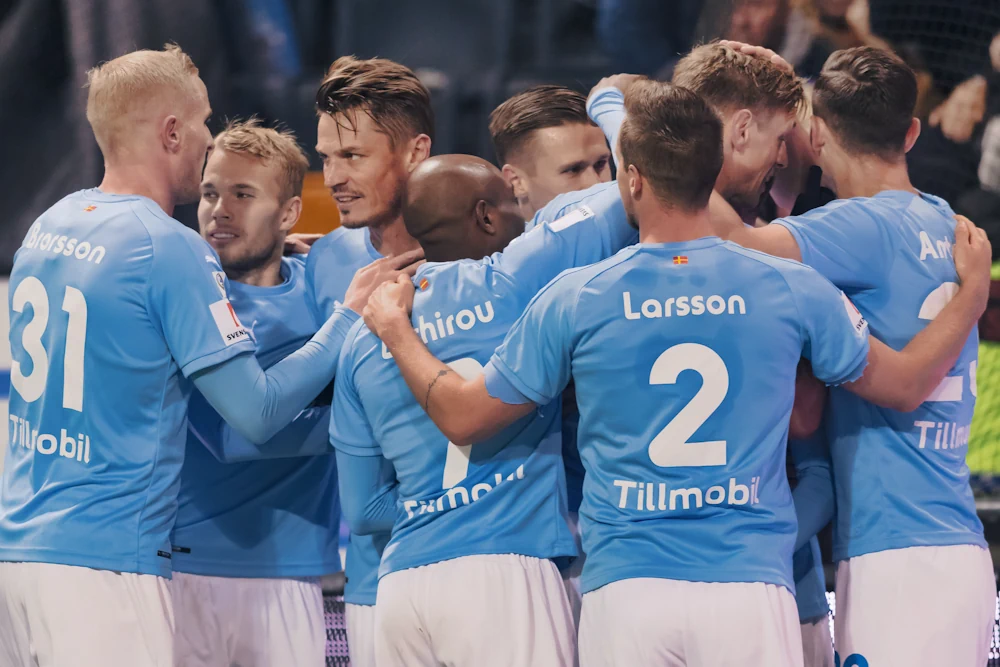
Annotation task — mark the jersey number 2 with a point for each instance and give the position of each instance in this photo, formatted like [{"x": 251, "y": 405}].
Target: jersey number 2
[
  {"x": 31, "y": 386},
  {"x": 670, "y": 448}
]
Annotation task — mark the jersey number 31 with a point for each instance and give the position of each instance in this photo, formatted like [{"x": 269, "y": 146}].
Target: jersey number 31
[{"x": 32, "y": 292}]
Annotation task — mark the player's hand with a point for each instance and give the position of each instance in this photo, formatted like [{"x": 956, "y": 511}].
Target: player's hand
[
  {"x": 973, "y": 256},
  {"x": 962, "y": 111},
  {"x": 387, "y": 269},
  {"x": 619, "y": 81},
  {"x": 390, "y": 306},
  {"x": 759, "y": 52},
  {"x": 299, "y": 244},
  {"x": 995, "y": 52}
]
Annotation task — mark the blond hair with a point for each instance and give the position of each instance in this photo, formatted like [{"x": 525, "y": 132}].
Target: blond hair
[
  {"x": 730, "y": 80},
  {"x": 121, "y": 90},
  {"x": 273, "y": 147}
]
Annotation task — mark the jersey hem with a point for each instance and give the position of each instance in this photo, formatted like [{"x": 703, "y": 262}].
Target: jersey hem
[
  {"x": 556, "y": 551},
  {"x": 53, "y": 557},
  {"x": 508, "y": 374},
  {"x": 359, "y": 600},
  {"x": 588, "y": 584},
  {"x": 227, "y": 570},
  {"x": 862, "y": 548}
]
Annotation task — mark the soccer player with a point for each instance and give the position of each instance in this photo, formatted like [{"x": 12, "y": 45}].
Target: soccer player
[
  {"x": 905, "y": 509},
  {"x": 687, "y": 516},
  {"x": 548, "y": 146},
  {"x": 479, "y": 524},
  {"x": 375, "y": 127},
  {"x": 252, "y": 538},
  {"x": 117, "y": 311}
]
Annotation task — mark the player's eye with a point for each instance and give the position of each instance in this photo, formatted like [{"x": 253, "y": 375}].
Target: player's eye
[
  {"x": 208, "y": 195},
  {"x": 244, "y": 195},
  {"x": 600, "y": 165}
]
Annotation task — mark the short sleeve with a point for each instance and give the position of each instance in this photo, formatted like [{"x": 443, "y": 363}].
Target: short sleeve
[
  {"x": 586, "y": 234},
  {"x": 350, "y": 430},
  {"x": 846, "y": 242},
  {"x": 535, "y": 357},
  {"x": 188, "y": 298},
  {"x": 835, "y": 333}
]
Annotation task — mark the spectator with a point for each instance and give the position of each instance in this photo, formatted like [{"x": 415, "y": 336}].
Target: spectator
[
  {"x": 645, "y": 36},
  {"x": 779, "y": 26}
]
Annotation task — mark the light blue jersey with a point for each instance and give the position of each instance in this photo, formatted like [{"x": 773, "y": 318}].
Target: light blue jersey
[
  {"x": 684, "y": 357},
  {"x": 273, "y": 518},
  {"x": 330, "y": 267},
  {"x": 901, "y": 478},
  {"x": 508, "y": 493},
  {"x": 810, "y": 582},
  {"x": 113, "y": 306}
]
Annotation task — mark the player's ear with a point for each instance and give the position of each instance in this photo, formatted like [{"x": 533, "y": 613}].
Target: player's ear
[
  {"x": 817, "y": 135},
  {"x": 740, "y": 129},
  {"x": 485, "y": 217},
  {"x": 912, "y": 134},
  {"x": 290, "y": 214},
  {"x": 419, "y": 150},
  {"x": 170, "y": 134},
  {"x": 634, "y": 182},
  {"x": 512, "y": 175}
]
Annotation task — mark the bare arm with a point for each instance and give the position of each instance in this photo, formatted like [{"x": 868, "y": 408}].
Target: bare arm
[
  {"x": 462, "y": 409},
  {"x": 903, "y": 380},
  {"x": 810, "y": 397}
]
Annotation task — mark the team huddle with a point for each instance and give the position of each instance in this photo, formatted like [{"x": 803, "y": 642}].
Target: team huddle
[{"x": 569, "y": 420}]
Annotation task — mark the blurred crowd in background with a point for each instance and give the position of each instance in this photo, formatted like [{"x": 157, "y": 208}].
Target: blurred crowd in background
[{"x": 266, "y": 57}]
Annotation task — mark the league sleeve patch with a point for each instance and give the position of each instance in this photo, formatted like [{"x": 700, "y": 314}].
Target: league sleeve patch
[
  {"x": 576, "y": 215},
  {"x": 220, "y": 282},
  {"x": 857, "y": 319},
  {"x": 229, "y": 325}
]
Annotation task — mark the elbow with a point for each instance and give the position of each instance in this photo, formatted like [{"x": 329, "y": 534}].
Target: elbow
[
  {"x": 362, "y": 524},
  {"x": 801, "y": 427},
  {"x": 909, "y": 403},
  {"x": 254, "y": 430}
]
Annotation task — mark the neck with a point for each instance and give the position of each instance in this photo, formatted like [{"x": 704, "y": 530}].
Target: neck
[
  {"x": 138, "y": 179},
  {"x": 867, "y": 177},
  {"x": 265, "y": 275},
  {"x": 392, "y": 239},
  {"x": 659, "y": 224}
]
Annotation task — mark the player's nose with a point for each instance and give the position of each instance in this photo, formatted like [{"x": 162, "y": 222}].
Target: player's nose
[
  {"x": 782, "y": 160},
  {"x": 334, "y": 175}
]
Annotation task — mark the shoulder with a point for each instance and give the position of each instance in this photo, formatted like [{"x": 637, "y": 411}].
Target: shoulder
[
  {"x": 339, "y": 242},
  {"x": 571, "y": 282},
  {"x": 789, "y": 272},
  {"x": 854, "y": 211},
  {"x": 598, "y": 197}
]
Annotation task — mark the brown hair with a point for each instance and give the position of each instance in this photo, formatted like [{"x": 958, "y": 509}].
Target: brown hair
[
  {"x": 513, "y": 122},
  {"x": 121, "y": 89},
  {"x": 390, "y": 93},
  {"x": 249, "y": 138},
  {"x": 730, "y": 80},
  {"x": 867, "y": 96},
  {"x": 674, "y": 139}
]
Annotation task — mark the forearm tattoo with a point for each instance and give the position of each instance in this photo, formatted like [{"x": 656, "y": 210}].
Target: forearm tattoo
[{"x": 427, "y": 398}]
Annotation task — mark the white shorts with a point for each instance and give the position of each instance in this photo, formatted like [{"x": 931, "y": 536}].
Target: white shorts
[
  {"x": 360, "y": 621},
  {"x": 234, "y": 621},
  {"x": 489, "y": 611},
  {"x": 671, "y": 623},
  {"x": 916, "y": 606},
  {"x": 817, "y": 644},
  {"x": 571, "y": 576},
  {"x": 59, "y": 615}
]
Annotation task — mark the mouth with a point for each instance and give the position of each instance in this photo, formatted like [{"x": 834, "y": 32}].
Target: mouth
[
  {"x": 346, "y": 200},
  {"x": 218, "y": 238}
]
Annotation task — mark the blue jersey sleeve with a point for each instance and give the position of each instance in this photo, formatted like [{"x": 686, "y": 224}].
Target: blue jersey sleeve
[
  {"x": 845, "y": 242},
  {"x": 306, "y": 435},
  {"x": 834, "y": 332},
  {"x": 813, "y": 493},
  {"x": 606, "y": 107},
  {"x": 188, "y": 301},
  {"x": 585, "y": 235},
  {"x": 368, "y": 493},
  {"x": 260, "y": 403},
  {"x": 350, "y": 430},
  {"x": 535, "y": 356}
]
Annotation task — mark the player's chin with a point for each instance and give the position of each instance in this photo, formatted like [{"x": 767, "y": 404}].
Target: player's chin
[{"x": 352, "y": 220}]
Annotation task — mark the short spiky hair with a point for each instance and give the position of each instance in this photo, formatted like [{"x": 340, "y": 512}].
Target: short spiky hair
[
  {"x": 250, "y": 138},
  {"x": 120, "y": 90},
  {"x": 730, "y": 80},
  {"x": 390, "y": 93},
  {"x": 674, "y": 139},
  {"x": 867, "y": 96},
  {"x": 539, "y": 107}
]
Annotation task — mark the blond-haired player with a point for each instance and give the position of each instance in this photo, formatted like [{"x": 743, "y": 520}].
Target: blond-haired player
[{"x": 117, "y": 311}]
